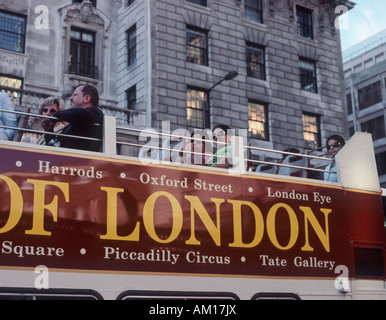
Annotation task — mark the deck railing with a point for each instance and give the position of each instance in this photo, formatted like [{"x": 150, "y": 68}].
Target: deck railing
[{"x": 166, "y": 147}]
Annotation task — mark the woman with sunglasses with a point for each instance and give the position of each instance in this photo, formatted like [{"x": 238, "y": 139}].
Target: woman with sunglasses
[
  {"x": 49, "y": 107},
  {"x": 335, "y": 143}
]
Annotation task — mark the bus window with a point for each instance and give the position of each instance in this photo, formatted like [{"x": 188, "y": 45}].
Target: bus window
[
  {"x": 275, "y": 296},
  {"x": 11, "y": 294},
  {"x": 158, "y": 295},
  {"x": 369, "y": 263}
]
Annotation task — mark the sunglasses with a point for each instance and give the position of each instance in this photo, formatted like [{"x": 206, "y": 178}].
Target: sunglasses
[
  {"x": 334, "y": 145},
  {"x": 46, "y": 110}
]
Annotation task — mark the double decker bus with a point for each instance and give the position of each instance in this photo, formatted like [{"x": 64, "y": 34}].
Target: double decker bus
[{"x": 84, "y": 225}]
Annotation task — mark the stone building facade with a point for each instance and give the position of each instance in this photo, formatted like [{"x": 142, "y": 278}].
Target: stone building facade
[
  {"x": 365, "y": 82},
  {"x": 156, "y": 61}
]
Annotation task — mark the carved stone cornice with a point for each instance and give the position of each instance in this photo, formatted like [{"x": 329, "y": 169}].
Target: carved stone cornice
[
  {"x": 12, "y": 59},
  {"x": 12, "y": 62},
  {"x": 85, "y": 13},
  {"x": 282, "y": 7}
]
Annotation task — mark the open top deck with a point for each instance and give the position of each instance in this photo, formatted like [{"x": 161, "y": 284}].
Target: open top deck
[{"x": 76, "y": 211}]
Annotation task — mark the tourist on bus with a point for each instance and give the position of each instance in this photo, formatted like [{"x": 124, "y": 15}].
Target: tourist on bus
[
  {"x": 222, "y": 136},
  {"x": 335, "y": 143},
  {"x": 200, "y": 155},
  {"x": 49, "y": 107},
  {"x": 85, "y": 120},
  {"x": 7, "y": 119}
]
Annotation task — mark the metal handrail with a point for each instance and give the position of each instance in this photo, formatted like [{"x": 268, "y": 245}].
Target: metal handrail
[
  {"x": 173, "y": 150},
  {"x": 48, "y": 132},
  {"x": 42, "y": 132},
  {"x": 289, "y": 166},
  {"x": 35, "y": 115},
  {"x": 307, "y": 156},
  {"x": 171, "y": 135},
  {"x": 288, "y": 153}
]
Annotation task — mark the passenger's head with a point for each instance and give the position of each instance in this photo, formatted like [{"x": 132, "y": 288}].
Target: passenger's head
[
  {"x": 334, "y": 144},
  {"x": 198, "y": 140},
  {"x": 85, "y": 96},
  {"x": 222, "y": 133},
  {"x": 51, "y": 105}
]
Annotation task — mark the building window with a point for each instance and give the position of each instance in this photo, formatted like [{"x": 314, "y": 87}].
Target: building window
[
  {"x": 198, "y": 108},
  {"x": 130, "y": 2},
  {"x": 13, "y": 86},
  {"x": 381, "y": 163},
  {"x": 131, "y": 96},
  {"x": 258, "y": 121},
  {"x": 12, "y": 32},
  {"x": 311, "y": 129},
  {"x": 254, "y": 10},
  {"x": 132, "y": 45},
  {"x": 255, "y": 62},
  {"x": 94, "y": 3},
  {"x": 304, "y": 22},
  {"x": 308, "y": 75},
  {"x": 376, "y": 127},
  {"x": 199, "y": 2},
  {"x": 82, "y": 54},
  {"x": 350, "y": 109},
  {"x": 197, "y": 46},
  {"x": 370, "y": 95},
  {"x": 351, "y": 131}
]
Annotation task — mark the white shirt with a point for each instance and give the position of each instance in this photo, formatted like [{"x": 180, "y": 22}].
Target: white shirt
[
  {"x": 7, "y": 119},
  {"x": 332, "y": 177}
]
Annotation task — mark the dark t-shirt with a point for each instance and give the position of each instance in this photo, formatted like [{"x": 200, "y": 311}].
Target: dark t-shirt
[{"x": 83, "y": 123}]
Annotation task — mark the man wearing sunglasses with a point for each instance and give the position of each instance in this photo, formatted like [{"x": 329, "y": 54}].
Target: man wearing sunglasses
[{"x": 335, "y": 143}]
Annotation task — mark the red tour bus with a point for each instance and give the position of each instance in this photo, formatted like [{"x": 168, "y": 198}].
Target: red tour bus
[{"x": 84, "y": 225}]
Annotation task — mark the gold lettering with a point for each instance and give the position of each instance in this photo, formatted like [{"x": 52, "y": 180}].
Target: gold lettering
[
  {"x": 271, "y": 226},
  {"x": 324, "y": 236},
  {"x": 237, "y": 224},
  {"x": 148, "y": 217},
  {"x": 112, "y": 217},
  {"x": 214, "y": 231},
  {"x": 16, "y": 205},
  {"x": 40, "y": 206}
]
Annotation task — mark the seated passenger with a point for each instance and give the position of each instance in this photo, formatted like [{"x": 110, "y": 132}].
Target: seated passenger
[
  {"x": 335, "y": 143},
  {"x": 85, "y": 120},
  {"x": 49, "y": 107},
  {"x": 199, "y": 156},
  {"x": 222, "y": 135},
  {"x": 7, "y": 119}
]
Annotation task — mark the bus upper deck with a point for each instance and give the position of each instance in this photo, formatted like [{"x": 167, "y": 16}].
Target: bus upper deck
[
  {"x": 170, "y": 148},
  {"x": 150, "y": 217}
]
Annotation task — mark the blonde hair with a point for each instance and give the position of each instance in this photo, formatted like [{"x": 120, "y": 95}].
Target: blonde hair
[{"x": 59, "y": 102}]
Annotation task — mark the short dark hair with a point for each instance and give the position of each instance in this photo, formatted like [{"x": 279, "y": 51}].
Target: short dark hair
[
  {"x": 92, "y": 92},
  {"x": 223, "y": 127},
  {"x": 338, "y": 138}
]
